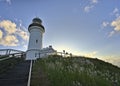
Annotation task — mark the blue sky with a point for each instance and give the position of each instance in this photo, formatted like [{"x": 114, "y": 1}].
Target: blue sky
[{"x": 82, "y": 27}]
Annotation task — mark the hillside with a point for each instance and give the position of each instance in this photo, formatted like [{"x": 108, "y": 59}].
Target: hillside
[{"x": 74, "y": 71}]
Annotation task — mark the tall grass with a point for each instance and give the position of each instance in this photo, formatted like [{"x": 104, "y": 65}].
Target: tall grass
[{"x": 78, "y": 71}]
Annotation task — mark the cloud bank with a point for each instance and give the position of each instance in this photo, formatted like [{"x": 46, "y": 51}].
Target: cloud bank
[
  {"x": 11, "y": 34},
  {"x": 112, "y": 59},
  {"x": 92, "y": 54}
]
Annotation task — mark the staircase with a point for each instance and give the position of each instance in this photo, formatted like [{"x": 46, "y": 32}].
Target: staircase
[{"x": 17, "y": 76}]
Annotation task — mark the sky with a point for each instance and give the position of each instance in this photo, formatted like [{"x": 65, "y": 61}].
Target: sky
[{"x": 82, "y": 27}]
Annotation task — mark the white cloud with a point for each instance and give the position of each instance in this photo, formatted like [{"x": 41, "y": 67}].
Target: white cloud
[
  {"x": 8, "y": 26},
  {"x": 112, "y": 59},
  {"x": 8, "y": 1},
  {"x": 105, "y": 24},
  {"x": 90, "y": 54},
  {"x": 91, "y": 5},
  {"x": 88, "y": 8},
  {"x": 25, "y": 47},
  {"x": 116, "y": 12},
  {"x": 111, "y": 33},
  {"x": 116, "y": 24},
  {"x": 12, "y": 32},
  {"x": 1, "y": 34},
  {"x": 9, "y": 40},
  {"x": 23, "y": 34},
  {"x": 94, "y": 1}
]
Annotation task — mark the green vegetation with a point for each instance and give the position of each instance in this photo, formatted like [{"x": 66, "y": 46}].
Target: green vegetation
[
  {"x": 39, "y": 77},
  {"x": 75, "y": 71},
  {"x": 8, "y": 63}
]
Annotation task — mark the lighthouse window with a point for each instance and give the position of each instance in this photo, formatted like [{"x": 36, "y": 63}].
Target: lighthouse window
[{"x": 36, "y": 41}]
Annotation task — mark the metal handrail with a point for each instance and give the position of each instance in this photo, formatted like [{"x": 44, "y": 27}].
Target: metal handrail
[
  {"x": 29, "y": 77},
  {"x": 5, "y": 58}
]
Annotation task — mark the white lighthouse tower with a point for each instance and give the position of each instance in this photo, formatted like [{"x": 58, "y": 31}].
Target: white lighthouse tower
[{"x": 36, "y": 30}]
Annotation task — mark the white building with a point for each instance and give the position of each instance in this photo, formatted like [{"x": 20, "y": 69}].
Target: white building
[{"x": 35, "y": 50}]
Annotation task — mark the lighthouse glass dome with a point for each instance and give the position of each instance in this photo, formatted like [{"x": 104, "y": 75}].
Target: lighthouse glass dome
[{"x": 37, "y": 20}]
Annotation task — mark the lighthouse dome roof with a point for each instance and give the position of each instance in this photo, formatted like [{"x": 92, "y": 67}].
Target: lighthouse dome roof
[{"x": 37, "y": 20}]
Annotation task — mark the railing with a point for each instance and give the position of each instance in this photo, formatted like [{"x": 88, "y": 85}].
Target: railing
[
  {"x": 5, "y": 58},
  {"x": 29, "y": 77},
  {"x": 16, "y": 55},
  {"x": 9, "y": 51}
]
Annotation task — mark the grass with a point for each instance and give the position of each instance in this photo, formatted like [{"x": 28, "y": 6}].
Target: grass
[
  {"x": 39, "y": 78},
  {"x": 76, "y": 71}
]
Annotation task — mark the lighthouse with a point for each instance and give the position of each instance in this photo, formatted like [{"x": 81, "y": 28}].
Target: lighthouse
[{"x": 36, "y": 30}]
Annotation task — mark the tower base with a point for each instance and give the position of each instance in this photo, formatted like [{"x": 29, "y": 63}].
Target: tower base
[{"x": 33, "y": 54}]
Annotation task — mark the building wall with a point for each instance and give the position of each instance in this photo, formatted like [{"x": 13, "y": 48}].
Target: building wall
[
  {"x": 35, "y": 40},
  {"x": 35, "y": 53},
  {"x": 32, "y": 54}
]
